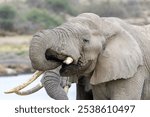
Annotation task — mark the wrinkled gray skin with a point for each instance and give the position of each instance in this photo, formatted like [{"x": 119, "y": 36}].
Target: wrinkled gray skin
[
  {"x": 111, "y": 58},
  {"x": 54, "y": 84}
]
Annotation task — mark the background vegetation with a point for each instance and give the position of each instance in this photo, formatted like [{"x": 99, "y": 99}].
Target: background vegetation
[
  {"x": 29, "y": 16},
  {"x": 7, "y": 15}
]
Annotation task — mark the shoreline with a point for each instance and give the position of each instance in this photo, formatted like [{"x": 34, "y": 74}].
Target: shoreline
[
  {"x": 14, "y": 64},
  {"x": 6, "y": 71}
]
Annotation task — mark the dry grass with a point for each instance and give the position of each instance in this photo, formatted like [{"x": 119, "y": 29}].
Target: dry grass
[
  {"x": 14, "y": 48},
  {"x": 17, "y": 44},
  {"x": 19, "y": 39}
]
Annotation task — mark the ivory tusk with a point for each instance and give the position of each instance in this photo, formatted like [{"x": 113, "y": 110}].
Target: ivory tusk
[
  {"x": 68, "y": 60},
  {"x": 30, "y": 91},
  {"x": 34, "y": 77},
  {"x": 66, "y": 88}
]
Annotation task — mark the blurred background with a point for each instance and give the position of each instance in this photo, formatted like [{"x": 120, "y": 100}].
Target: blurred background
[{"x": 20, "y": 19}]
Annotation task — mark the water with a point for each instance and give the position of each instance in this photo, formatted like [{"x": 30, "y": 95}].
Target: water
[{"x": 13, "y": 81}]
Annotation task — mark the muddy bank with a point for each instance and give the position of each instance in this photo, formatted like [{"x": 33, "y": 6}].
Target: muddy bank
[{"x": 14, "y": 64}]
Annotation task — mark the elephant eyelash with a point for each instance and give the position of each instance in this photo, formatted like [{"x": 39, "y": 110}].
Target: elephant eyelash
[{"x": 85, "y": 40}]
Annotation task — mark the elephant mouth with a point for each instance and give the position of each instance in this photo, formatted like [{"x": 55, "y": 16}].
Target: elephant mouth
[
  {"x": 74, "y": 69},
  {"x": 69, "y": 66},
  {"x": 61, "y": 59}
]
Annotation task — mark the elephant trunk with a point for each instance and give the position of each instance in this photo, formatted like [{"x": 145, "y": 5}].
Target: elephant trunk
[
  {"x": 37, "y": 51},
  {"x": 51, "y": 82}
]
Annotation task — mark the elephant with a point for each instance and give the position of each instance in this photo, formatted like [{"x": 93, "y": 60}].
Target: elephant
[
  {"x": 113, "y": 55},
  {"x": 108, "y": 58}
]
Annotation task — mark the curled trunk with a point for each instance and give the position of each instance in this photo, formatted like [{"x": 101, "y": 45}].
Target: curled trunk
[{"x": 37, "y": 52}]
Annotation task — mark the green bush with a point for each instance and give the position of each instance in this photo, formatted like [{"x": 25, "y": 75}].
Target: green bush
[
  {"x": 6, "y": 24},
  {"x": 61, "y": 6},
  {"x": 43, "y": 18},
  {"x": 7, "y": 16},
  {"x": 7, "y": 12}
]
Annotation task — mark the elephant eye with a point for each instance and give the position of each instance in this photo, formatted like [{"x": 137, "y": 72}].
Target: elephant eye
[{"x": 85, "y": 40}]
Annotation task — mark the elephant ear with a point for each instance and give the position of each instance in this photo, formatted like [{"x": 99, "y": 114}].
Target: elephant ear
[{"x": 119, "y": 60}]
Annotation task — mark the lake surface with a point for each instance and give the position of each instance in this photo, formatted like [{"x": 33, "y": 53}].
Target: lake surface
[{"x": 9, "y": 82}]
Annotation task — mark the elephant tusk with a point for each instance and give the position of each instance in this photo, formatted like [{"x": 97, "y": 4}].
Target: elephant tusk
[
  {"x": 68, "y": 60},
  {"x": 66, "y": 88},
  {"x": 18, "y": 88},
  {"x": 30, "y": 91}
]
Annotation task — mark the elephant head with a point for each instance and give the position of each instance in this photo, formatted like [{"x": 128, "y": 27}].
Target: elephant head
[
  {"x": 79, "y": 39},
  {"x": 97, "y": 46},
  {"x": 87, "y": 45}
]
